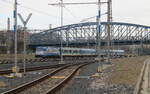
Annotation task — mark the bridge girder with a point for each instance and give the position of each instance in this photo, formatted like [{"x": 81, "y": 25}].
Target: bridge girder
[{"x": 87, "y": 33}]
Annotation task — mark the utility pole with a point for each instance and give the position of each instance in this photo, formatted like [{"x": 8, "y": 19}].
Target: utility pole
[
  {"x": 100, "y": 67},
  {"x": 8, "y": 36},
  {"x": 141, "y": 44},
  {"x": 86, "y": 3},
  {"x": 61, "y": 4},
  {"x": 88, "y": 41},
  {"x": 109, "y": 19},
  {"x": 8, "y": 24},
  {"x": 61, "y": 48},
  {"x": 16, "y": 68}
]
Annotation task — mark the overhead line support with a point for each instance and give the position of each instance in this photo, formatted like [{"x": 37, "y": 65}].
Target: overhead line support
[
  {"x": 109, "y": 19},
  {"x": 15, "y": 31},
  {"x": 54, "y": 4}
]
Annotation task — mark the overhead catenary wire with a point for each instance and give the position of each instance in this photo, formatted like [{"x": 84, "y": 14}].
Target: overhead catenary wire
[
  {"x": 2, "y": 26},
  {"x": 37, "y": 11},
  {"x": 43, "y": 13},
  {"x": 32, "y": 9},
  {"x": 70, "y": 12},
  {"x": 86, "y": 19},
  {"x": 3, "y": 4},
  {"x": 48, "y": 14},
  {"x": 81, "y": 3}
]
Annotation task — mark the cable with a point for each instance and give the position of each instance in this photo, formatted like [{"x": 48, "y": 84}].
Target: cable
[
  {"x": 2, "y": 26},
  {"x": 35, "y": 10},
  {"x": 86, "y": 19},
  {"x": 71, "y": 13},
  {"x": 8, "y": 2},
  {"x": 38, "y": 11}
]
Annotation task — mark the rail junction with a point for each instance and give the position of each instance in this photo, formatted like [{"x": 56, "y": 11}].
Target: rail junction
[{"x": 42, "y": 82}]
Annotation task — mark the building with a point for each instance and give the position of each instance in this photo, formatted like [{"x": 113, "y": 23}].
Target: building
[{"x": 7, "y": 41}]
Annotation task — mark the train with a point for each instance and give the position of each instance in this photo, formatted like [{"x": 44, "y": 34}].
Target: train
[{"x": 67, "y": 51}]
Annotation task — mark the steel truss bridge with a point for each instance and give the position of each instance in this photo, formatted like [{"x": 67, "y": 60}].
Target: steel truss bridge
[{"x": 86, "y": 34}]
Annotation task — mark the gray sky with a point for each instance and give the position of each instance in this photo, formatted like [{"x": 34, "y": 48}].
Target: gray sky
[{"x": 130, "y": 11}]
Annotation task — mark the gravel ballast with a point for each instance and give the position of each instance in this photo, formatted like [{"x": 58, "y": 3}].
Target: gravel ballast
[
  {"x": 16, "y": 81},
  {"x": 119, "y": 78}
]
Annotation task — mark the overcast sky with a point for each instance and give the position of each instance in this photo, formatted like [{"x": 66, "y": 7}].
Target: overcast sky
[{"x": 130, "y": 11}]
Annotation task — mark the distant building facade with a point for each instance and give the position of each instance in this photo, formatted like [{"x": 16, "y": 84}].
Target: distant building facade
[{"x": 7, "y": 41}]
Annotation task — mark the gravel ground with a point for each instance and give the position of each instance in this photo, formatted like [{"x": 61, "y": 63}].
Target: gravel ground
[
  {"x": 20, "y": 56},
  {"x": 81, "y": 85},
  {"x": 126, "y": 70},
  {"x": 35, "y": 64},
  {"x": 47, "y": 84},
  {"x": 120, "y": 78},
  {"x": 10, "y": 83},
  {"x": 9, "y": 66}
]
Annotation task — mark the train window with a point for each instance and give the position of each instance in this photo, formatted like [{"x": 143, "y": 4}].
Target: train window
[
  {"x": 75, "y": 51},
  {"x": 65, "y": 51}
]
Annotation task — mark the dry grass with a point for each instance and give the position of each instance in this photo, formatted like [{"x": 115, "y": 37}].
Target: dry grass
[
  {"x": 126, "y": 70},
  {"x": 11, "y": 56}
]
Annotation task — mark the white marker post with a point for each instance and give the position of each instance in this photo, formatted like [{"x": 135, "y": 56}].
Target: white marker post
[{"x": 24, "y": 28}]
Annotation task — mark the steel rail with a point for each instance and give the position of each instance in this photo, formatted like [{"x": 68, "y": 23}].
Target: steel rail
[
  {"x": 20, "y": 88},
  {"x": 2, "y": 72},
  {"x": 8, "y": 71},
  {"x": 57, "y": 87},
  {"x": 28, "y": 69},
  {"x": 32, "y": 83}
]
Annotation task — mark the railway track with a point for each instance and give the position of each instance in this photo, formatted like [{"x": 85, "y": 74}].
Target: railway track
[
  {"x": 143, "y": 83},
  {"x": 48, "y": 84},
  {"x": 28, "y": 69},
  {"x": 67, "y": 57},
  {"x": 8, "y": 71}
]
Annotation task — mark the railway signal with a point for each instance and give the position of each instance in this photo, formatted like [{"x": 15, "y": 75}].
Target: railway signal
[{"x": 24, "y": 29}]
